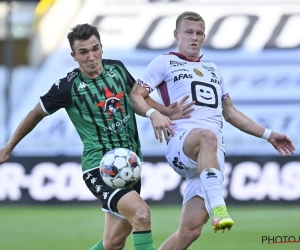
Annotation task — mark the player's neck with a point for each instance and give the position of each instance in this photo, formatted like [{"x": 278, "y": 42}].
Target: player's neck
[
  {"x": 93, "y": 74},
  {"x": 189, "y": 57}
]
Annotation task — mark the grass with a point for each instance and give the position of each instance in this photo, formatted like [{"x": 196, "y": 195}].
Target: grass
[{"x": 80, "y": 227}]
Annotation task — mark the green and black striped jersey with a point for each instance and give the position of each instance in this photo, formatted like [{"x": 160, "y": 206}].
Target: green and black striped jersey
[{"x": 99, "y": 109}]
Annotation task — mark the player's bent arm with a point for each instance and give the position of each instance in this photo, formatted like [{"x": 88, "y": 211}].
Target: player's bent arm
[
  {"x": 27, "y": 125},
  {"x": 153, "y": 104},
  {"x": 137, "y": 96},
  {"x": 160, "y": 123},
  {"x": 239, "y": 120}
]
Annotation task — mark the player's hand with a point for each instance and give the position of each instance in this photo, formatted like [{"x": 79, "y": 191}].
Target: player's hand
[
  {"x": 4, "y": 155},
  {"x": 177, "y": 110},
  {"x": 161, "y": 125},
  {"x": 282, "y": 143}
]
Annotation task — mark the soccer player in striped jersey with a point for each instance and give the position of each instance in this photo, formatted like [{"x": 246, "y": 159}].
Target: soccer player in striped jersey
[
  {"x": 197, "y": 150},
  {"x": 96, "y": 99}
]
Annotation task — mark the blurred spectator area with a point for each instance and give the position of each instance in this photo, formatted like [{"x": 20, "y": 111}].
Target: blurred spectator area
[
  {"x": 33, "y": 27},
  {"x": 16, "y": 26},
  {"x": 27, "y": 36}
]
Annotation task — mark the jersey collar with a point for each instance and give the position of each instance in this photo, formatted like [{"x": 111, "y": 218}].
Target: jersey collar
[{"x": 184, "y": 58}]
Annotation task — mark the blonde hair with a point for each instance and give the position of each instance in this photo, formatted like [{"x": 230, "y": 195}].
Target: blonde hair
[{"x": 188, "y": 15}]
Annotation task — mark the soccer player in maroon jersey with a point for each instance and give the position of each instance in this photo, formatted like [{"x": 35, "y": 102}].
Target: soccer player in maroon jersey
[{"x": 197, "y": 150}]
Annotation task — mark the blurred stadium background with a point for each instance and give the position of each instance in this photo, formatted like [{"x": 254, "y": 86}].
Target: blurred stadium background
[{"x": 256, "y": 43}]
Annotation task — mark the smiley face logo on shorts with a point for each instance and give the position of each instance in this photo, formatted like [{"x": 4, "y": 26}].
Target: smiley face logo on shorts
[{"x": 204, "y": 94}]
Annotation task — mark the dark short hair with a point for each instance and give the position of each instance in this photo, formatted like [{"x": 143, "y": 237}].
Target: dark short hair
[{"x": 82, "y": 32}]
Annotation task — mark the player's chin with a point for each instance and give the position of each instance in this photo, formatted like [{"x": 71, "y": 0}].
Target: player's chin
[
  {"x": 92, "y": 71},
  {"x": 194, "y": 51},
  {"x": 93, "y": 66}
]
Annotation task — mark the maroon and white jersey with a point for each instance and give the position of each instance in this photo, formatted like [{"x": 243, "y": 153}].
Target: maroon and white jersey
[{"x": 174, "y": 77}]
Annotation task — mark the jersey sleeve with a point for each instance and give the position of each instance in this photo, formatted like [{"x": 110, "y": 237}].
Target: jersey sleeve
[
  {"x": 154, "y": 74},
  {"x": 130, "y": 80},
  {"x": 59, "y": 96},
  {"x": 225, "y": 93}
]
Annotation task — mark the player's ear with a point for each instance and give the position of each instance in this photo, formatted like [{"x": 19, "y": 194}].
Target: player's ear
[
  {"x": 176, "y": 35},
  {"x": 73, "y": 55},
  {"x": 203, "y": 38},
  {"x": 101, "y": 47}
]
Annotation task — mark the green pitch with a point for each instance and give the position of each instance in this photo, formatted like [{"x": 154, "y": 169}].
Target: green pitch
[{"x": 80, "y": 227}]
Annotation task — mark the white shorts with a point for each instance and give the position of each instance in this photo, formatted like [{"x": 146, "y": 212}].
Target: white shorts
[
  {"x": 187, "y": 168},
  {"x": 114, "y": 213}
]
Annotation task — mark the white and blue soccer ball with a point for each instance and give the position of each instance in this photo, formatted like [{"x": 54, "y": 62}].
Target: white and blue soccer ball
[{"x": 120, "y": 168}]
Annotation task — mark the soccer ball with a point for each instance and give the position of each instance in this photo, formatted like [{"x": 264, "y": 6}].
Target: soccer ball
[{"x": 120, "y": 168}]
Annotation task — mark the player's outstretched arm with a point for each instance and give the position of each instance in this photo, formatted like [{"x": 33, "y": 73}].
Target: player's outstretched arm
[
  {"x": 160, "y": 123},
  {"x": 239, "y": 120},
  {"x": 175, "y": 111},
  {"x": 29, "y": 122},
  {"x": 281, "y": 143}
]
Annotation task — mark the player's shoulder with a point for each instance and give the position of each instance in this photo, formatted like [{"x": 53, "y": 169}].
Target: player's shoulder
[
  {"x": 163, "y": 58},
  {"x": 70, "y": 76},
  {"x": 208, "y": 63},
  {"x": 166, "y": 56},
  {"x": 67, "y": 81},
  {"x": 112, "y": 62}
]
